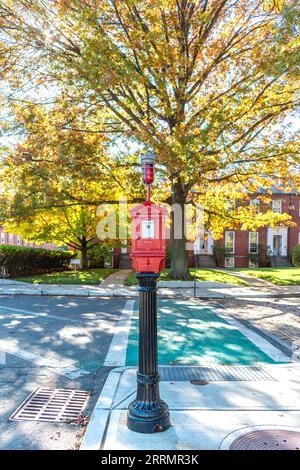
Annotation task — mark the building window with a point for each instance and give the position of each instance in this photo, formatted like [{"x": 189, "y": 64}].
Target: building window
[
  {"x": 230, "y": 205},
  {"x": 11, "y": 239},
  {"x": 277, "y": 205},
  {"x": 299, "y": 237},
  {"x": 18, "y": 240},
  {"x": 255, "y": 203},
  {"x": 2, "y": 237},
  {"x": 229, "y": 242},
  {"x": 25, "y": 243},
  {"x": 253, "y": 242},
  {"x": 229, "y": 262}
]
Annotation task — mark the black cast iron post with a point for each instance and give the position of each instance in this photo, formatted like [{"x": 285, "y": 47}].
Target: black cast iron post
[{"x": 148, "y": 413}]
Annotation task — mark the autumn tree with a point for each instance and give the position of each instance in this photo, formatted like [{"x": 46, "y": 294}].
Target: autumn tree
[
  {"x": 208, "y": 85},
  {"x": 53, "y": 182}
]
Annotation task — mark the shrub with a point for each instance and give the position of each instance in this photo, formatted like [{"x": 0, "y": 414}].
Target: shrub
[
  {"x": 96, "y": 256},
  {"x": 296, "y": 255},
  {"x": 219, "y": 254},
  {"x": 254, "y": 258},
  {"x": 263, "y": 256},
  {"x": 19, "y": 261}
]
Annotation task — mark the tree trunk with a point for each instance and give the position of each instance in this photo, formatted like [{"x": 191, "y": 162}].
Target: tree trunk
[
  {"x": 84, "y": 257},
  {"x": 179, "y": 256}
]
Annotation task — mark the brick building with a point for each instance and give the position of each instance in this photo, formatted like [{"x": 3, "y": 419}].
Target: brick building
[
  {"x": 243, "y": 246},
  {"x": 7, "y": 238}
]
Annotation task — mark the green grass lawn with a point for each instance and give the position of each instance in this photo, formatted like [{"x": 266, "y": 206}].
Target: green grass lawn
[
  {"x": 89, "y": 277},
  {"x": 197, "y": 274},
  {"x": 278, "y": 276}
]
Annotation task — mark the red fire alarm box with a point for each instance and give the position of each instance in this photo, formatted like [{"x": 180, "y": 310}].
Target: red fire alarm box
[{"x": 148, "y": 248}]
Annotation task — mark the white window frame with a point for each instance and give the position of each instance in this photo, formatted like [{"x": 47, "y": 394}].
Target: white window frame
[
  {"x": 227, "y": 232},
  {"x": 249, "y": 245},
  {"x": 2, "y": 237},
  {"x": 255, "y": 203},
  {"x": 230, "y": 205},
  {"x": 274, "y": 202},
  {"x": 18, "y": 240},
  {"x": 229, "y": 262},
  {"x": 10, "y": 239},
  {"x": 298, "y": 237}
]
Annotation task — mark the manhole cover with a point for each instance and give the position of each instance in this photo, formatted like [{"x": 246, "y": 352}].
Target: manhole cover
[
  {"x": 52, "y": 405},
  {"x": 199, "y": 382},
  {"x": 268, "y": 439}
]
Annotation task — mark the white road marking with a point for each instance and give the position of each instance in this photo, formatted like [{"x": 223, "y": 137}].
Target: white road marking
[
  {"x": 116, "y": 355},
  {"x": 46, "y": 315},
  {"x": 2, "y": 358},
  {"x": 12, "y": 347}
]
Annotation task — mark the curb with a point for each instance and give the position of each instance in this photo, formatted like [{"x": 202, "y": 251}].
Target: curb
[
  {"x": 95, "y": 433},
  {"x": 53, "y": 293},
  {"x": 134, "y": 293}
]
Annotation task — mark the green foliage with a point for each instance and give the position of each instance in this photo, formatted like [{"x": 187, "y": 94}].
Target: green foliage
[
  {"x": 18, "y": 261},
  {"x": 97, "y": 255},
  {"x": 200, "y": 274},
  {"x": 219, "y": 254},
  {"x": 278, "y": 276},
  {"x": 263, "y": 256},
  {"x": 296, "y": 255},
  {"x": 86, "y": 277},
  {"x": 254, "y": 258}
]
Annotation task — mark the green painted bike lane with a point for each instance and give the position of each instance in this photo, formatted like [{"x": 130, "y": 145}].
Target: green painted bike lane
[{"x": 191, "y": 334}]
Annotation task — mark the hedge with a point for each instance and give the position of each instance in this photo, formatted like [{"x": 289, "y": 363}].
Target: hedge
[
  {"x": 19, "y": 261},
  {"x": 296, "y": 255}
]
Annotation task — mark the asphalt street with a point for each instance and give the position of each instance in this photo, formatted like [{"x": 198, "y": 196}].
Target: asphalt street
[{"x": 53, "y": 342}]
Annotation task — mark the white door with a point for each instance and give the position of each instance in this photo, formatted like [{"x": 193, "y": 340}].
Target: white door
[
  {"x": 203, "y": 245},
  {"x": 277, "y": 241},
  {"x": 277, "y": 245}
]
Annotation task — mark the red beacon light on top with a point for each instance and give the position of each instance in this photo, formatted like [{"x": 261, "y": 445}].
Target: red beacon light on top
[{"x": 147, "y": 161}]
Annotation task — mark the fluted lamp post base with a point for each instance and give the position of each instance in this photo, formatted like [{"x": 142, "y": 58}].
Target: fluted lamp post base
[{"x": 148, "y": 413}]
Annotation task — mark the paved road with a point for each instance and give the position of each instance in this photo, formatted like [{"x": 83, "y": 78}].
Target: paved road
[
  {"x": 277, "y": 318},
  {"x": 51, "y": 342}
]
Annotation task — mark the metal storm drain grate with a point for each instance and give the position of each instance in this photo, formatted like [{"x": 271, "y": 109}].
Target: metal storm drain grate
[
  {"x": 268, "y": 439},
  {"x": 214, "y": 373},
  {"x": 52, "y": 405}
]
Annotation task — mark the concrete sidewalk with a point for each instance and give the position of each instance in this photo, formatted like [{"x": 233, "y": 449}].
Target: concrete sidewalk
[
  {"x": 116, "y": 280},
  {"x": 208, "y": 417},
  {"x": 252, "y": 280},
  {"x": 202, "y": 289}
]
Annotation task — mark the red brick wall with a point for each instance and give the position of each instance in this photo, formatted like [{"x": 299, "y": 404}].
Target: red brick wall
[
  {"x": 291, "y": 206},
  {"x": 50, "y": 246},
  {"x": 293, "y": 237}
]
